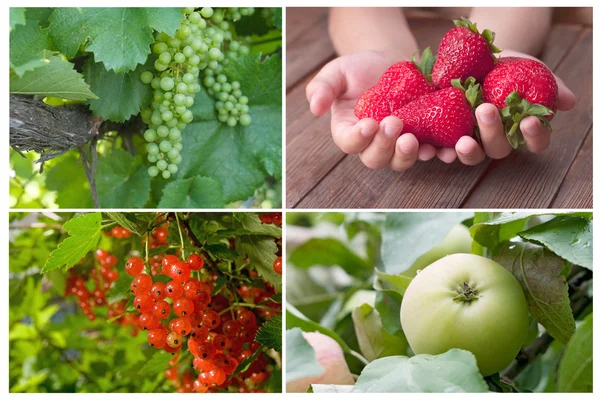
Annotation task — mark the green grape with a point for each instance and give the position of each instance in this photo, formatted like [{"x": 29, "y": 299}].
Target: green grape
[
  {"x": 245, "y": 119},
  {"x": 152, "y": 148},
  {"x": 160, "y": 47},
  {"x": 146, "y": 77},
  {"x": 194, "y": 17},
  {"x": 179, "y": 58},
  {"x": 206, "y": 12},
  {"x": 165, "y": 146},
  {"x": 167, "y": 83},
  {"x": 150, "y": 135},
  {"x": 153, "y": 171},
  {"x": 174, "y": 135},
  {"x": 180, "y": 99},
  {"x": 172, "y": 168},
  {"x": 162, "y": 131},
  {"x": 166, "y": 174},
  {"x": 173, "y": 153},
  {"x": 162, "y": 165}
]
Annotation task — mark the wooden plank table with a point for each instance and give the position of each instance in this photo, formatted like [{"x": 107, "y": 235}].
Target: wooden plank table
[{"x": 319, "y": 175}]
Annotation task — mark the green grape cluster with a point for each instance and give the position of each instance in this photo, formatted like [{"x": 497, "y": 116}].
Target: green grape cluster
[
  {"x": 197, "y": 54},
  {"x": 234, "y": 13}
]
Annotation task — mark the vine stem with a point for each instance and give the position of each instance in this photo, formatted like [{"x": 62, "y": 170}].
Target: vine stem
[{"x": 180, "y": 236}]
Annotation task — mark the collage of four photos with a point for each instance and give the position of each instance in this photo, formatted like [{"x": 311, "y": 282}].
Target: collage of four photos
[{"x": 300, "y": 200}]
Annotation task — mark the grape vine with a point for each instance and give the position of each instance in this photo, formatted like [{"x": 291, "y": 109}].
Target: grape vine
[{"x": 201, "y": 48}]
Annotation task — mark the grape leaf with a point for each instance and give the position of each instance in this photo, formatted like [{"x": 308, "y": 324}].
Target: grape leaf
[
  {"x": 40, "y": 14},
  {"x": 538, "y": 270},
  {"x": 56, "y": 78},
  {"x": 452, "y": 372},
  {"x": 194, "y": 192},
  {"x": 269, "y": 333},
  {"x": 119, "y": 95},
  {"x": 16, "y": 16},
  {"x": 118, "y": 37},
  {"x": 569, "y": 237},
  {"x": 240, "y": 157},
  {"x": 122, "y": 181},
  {"x": 67, "y": 178},
  {"x": 575, "y": 373},
  {"x": 27, "y": 45},
  {"x": 85, "y": 233}
]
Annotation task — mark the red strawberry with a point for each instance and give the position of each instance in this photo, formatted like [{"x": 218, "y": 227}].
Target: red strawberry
[
  {"x": 521, "y": 87},
  {"x": 443, "y": 117},
  {"x": 463, "y": 53},
  {"x": 399, "y": 85}
]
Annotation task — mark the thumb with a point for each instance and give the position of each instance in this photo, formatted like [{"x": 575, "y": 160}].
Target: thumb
[{"x": 325, "y": 87}]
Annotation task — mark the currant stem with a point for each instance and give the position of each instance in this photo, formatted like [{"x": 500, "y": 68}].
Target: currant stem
[{"x": 180, "y": 236}]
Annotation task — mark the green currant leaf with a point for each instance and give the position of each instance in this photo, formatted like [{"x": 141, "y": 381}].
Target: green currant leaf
[
  {"x": 239, "y": 157},
  {"x": 122, "y": 181},
  {"x": 120, "y": 96},
  {"x": 270, "y": 334},
  {"x": 118, "y": 37},
  {"x": 157, "y": 364},
  {"x": 262, "y": 252},
  {"x": 194, "y": 192},
  {"x": 84, "y": 234},
  {"x": 56, "y": 78},
  {"x": 221, "y": 252},
  {"x": 28, "y": 43},
  {"x": 16, "y": 16},
  {"x": 251, "y": 225}
]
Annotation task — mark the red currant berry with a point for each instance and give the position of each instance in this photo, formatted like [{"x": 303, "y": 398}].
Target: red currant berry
[
  {"x": 167, "y": 262},
  {"x": 111, "y": 276},
  {"x": 277, "y": 219},
  {"x": 246, "y": 318},
  {"x": 206, "y": 351},
  {"x": 143, "y": 303},
  {"x": 182, "y": 326},
  {"x": 183, "y": 307},
  {"x": 228, "y": 364},
  {"x": 160, "y": 234},
  {"x": 158, "y": 291},
  {"x": 202, "y": 364},
  {"x": 101, "y": 254},
  {"x": 195, "y": 261},
  {"x": 171, "y": 373},
  {"x": 174, "y": 339},
  {"x": 231, "y": 328},
  {"x": 110, "y": 261},
  {"x": 211, "y": 319},
  {"x": 200, "y": 333},
  {"x": 148, "y": 321},
  {"x": 180, "y": 272},
  {"x": 174, "y": 290},
  {"x": 200, "y": 387},
  {"x": 134, "y": 266},
  {"x": 157, "y": 338},
  {"x": 142, "y": 283},
  {"x": 222, "y": 343},
  {"x": 217, "y": 375},
  {"x": 277, "y": 265},
  {"x": 248, "y": 334},
  {"x": 266, "y": 218},
  {"x": 161, "y": 309},
  {"x": 191, "y": 289},
  {"x": 171, "y": 349}
]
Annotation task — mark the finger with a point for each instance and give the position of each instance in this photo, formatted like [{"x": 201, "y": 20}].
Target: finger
[
  {"x": 468, "y": 151},
  {"x": 325, "y": 87},
  {"x": 352, "y": 137},
  {"x": 566, "y": 98},
  {"x": 378, "y": 154},
  {"x": 406, "y": 152},
  {"x": 491, "y": 131},
  {"x": 536, "y": 135},
  {"x": 446, "y": 155},
  {"x": 426, "y": 152}
]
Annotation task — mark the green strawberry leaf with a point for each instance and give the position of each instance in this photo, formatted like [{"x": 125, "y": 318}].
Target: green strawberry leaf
[
  {"x": 85, "y": 232},
  {"x": 515, "y": 111},
  {"x": 28, "y": 43},
  {"x": 56, "y": 78},
  {"x": 240, "y": 158},
  {"x": 426, "y": 64},
  {"x": 118, "y": 37},
  {"x": 122, "y": 181},
  {"x": 120, "y": 96},
  {"x": 16, "y": 16},
  {"x": 194, "y": 192}
]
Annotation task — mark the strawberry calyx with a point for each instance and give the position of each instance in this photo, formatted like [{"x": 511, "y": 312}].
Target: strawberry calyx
[
  {"x": 472, "y": 90},
  {"x": 488, "y": 35},
  {"x": 473, "y": 94},
  {"x": 426, "y": 64},
  {"x": 515, "y": 111}
]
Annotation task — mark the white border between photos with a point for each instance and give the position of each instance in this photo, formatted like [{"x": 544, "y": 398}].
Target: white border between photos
[{"x": 4, "y": 201}]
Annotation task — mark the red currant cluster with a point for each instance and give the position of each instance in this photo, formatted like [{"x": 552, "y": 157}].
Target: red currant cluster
[
  {"x": 219, "y": 340},
  {"x": 271, "y": 218},
  {"x": 118, "y": 232}
]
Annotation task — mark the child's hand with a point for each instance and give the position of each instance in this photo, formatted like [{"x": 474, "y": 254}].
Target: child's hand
[
  {"x": 494, "y": 141},
  {"x": 338, "y": 86}
]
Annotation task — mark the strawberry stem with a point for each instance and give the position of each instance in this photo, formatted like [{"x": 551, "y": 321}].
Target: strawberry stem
[{"x": 515, "y": 111}]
